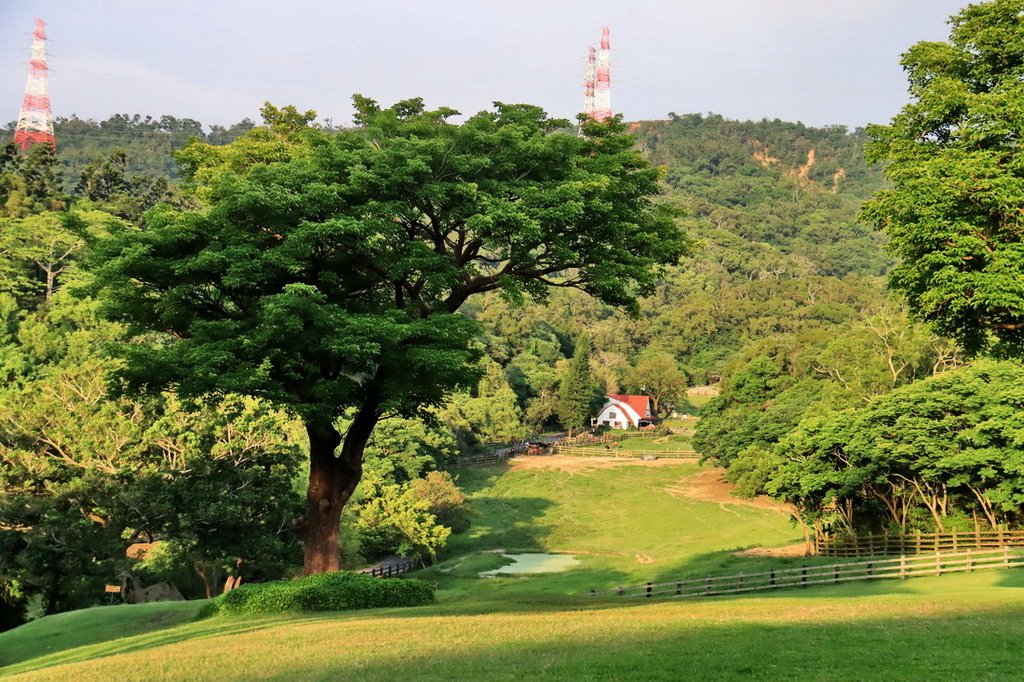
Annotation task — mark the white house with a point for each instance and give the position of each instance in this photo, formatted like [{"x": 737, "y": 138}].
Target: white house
[{"x": 625, "y": 412}]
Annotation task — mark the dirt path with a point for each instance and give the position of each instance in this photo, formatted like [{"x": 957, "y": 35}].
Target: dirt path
[{"x": 709, "y": 485}]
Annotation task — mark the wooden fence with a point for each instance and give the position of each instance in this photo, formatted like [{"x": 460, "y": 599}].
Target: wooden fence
[
  {"x": 825, "y": 574},
  {"x": 391, "y": 570},
  {"x": 497, "y": 456},
  {"x": 916, "y": 543},
  {"x": 577, "y": 451}
]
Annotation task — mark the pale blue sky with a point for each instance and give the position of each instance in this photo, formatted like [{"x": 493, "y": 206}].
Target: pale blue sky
[{"x": 817, "y": 61}]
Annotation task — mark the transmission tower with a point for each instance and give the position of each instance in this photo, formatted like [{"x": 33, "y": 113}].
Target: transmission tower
[
  {"x": 603, "y": 80},
  {"x": 588, "y": 82},
  {"x": 35, "y": 121}
]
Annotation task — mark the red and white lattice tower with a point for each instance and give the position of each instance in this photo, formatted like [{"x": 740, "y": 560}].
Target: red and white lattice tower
[
  {"x": 603, "y": 80},
  {"x": 35, "y": 121},
  {"x": 588, "y": 83}
]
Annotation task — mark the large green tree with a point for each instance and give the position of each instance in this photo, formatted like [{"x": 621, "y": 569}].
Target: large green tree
[
  {"x": 953, "y": 214},
  {"x": 329, "y": 279}
]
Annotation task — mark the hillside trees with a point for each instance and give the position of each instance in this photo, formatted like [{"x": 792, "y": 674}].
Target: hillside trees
[
  {"x": 953, "y": 155},
  {"x": 657, "y": 374},
  {"x": 948, "y": 446},
  {"x": 332, "y": 278}
]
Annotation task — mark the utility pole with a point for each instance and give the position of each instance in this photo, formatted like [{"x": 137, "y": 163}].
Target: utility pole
[{"x": 35, "y": 120}]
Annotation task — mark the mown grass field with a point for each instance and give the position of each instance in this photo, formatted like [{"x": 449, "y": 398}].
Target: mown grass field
[{"x": 627, "y": 523}]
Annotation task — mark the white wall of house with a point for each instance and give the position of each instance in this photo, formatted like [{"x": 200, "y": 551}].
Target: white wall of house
[{"x": 618, "y": 416}]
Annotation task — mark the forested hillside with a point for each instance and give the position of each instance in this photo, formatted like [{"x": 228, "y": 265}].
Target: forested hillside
[{"x": 779, "y": 272}]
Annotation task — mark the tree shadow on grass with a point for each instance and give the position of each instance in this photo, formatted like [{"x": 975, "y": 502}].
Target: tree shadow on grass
[{"x": 214, "y": 627}]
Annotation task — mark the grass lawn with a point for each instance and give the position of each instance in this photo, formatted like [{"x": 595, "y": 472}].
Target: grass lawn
[
  {"x": 627, "y": 523},
  {"x": 673, "y": 442},
  {"x": 957, "y": 627}
]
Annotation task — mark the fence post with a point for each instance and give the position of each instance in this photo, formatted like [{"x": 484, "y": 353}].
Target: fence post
[
  {"x": 622, "y": 592},
  {"x": 903, "y": 566},
  {"x": 803, "y": 575},
  {"x": 917, "y": 549},
  {"x": 970, "y": 561},
  {"x": 870, "y": 569},
  {"x": 938, "y": 563},
  {"x": 679, "y": 587},
  {"x": 954, "y": 540},
  {"x": 740, "y": 586},
  {"x": 389, "y": 570},
  {"x": 773, "y": 578},
  {"x": 835, "y": 573},
  {"x": 650, "y": 589},
  {"x": 1006, "y": 556},
  {"x": 708, "y": 586},
  {"x": 593, "y": 592}
]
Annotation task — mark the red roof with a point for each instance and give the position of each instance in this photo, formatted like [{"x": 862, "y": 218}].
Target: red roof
[{"x": 640, "y": 403}]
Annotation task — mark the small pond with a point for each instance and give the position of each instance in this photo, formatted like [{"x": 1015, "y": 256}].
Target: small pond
[{"x": 534, "y": 563}]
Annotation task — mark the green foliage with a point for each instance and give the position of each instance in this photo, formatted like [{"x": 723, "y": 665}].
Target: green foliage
[
  {"x": 324, "y": 592},
  {"x": 952, "y": 154},
  {"x": 947, "y": 445},
  {"x": 577, "y": 392},
  {"x": 493, "y": 415},
  {"x": 29, "y": 181},
  {"x": 395, "y": 519},
  {"x": 107, "y": 182},
  {"x": 656, "y": 374},
  {"x": 446, "y": 501},
  {"x": 766, "y": 396},
  {"x": 402, "y": 450}
]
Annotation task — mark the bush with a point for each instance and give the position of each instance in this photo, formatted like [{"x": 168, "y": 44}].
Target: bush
[
  {"x": 338, "y": 591},
  {"x": 447, "y": 503},
  {"x": 393, "y": 520}
]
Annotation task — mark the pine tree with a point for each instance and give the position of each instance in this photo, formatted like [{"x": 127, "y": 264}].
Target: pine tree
[{"x": 577, "y": 389}]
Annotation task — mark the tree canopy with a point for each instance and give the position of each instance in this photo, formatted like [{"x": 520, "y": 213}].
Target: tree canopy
[{"x": 953, "y": 214}]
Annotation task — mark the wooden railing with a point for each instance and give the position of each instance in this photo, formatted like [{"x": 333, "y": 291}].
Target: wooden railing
[
  {"x": 391, "y": 570},
  {"x": 916, "y": 543},
  {"x": 496, "y": 456},
  {"x": 577, "y": 451},
  {"x": 825, "y": 574}
]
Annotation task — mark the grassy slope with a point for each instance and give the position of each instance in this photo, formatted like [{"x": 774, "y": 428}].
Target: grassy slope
[
  {"x": 960, "y": 627},
  {"x": 626, "y": 528}
]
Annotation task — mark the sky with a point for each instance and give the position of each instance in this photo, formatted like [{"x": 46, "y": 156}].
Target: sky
[{"x": 821, "y": 62}]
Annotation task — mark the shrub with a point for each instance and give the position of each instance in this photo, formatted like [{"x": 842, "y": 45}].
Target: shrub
[
  {"x": 393, "y": 520},
  {"x": 338, "y": 591},
  {"x": 447, "y": 503}
]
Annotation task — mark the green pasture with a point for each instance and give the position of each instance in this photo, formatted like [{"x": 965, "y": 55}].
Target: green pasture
[{"x": 626, "y": 524}]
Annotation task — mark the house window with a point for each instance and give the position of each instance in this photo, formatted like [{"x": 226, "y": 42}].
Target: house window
[{"x": 612, "y": 414}]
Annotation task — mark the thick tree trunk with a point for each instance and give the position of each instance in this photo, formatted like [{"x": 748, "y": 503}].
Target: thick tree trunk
[{"x": 332, "y": 480}]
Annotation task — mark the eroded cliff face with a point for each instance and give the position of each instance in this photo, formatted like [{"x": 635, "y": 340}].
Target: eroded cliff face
[{"x": 801, "y": 173}]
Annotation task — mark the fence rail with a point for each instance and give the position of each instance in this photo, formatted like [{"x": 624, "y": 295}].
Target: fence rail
[
  {"x": 578, "y": 451},
  {"x": 391, "y": 569},
  {"x": 916, "y": 543},
  {"x": 822, "y": 574},
  {"x": 498, "y": 455}
]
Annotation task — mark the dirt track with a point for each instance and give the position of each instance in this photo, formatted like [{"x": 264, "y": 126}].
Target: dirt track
[{"x": 709, "y": 485}]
